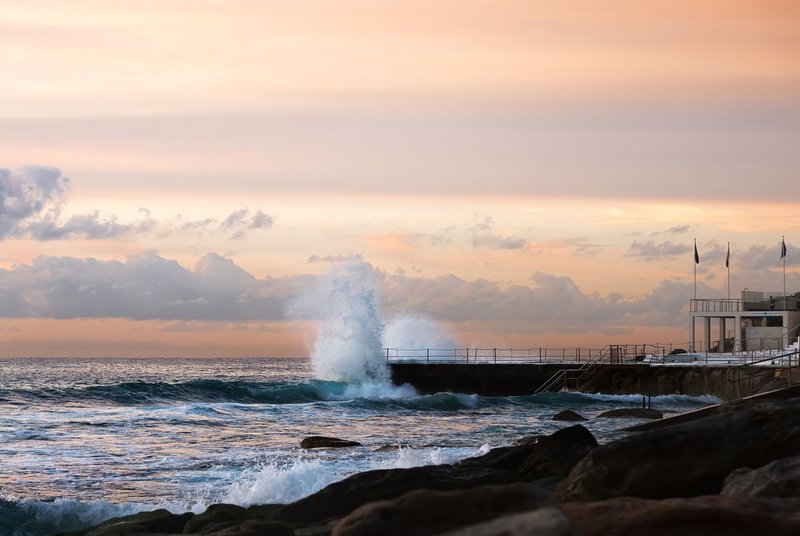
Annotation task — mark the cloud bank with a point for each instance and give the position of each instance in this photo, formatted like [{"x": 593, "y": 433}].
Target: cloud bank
[
  {"x": 150, "y": 287},
  {"x": 33, "y": 199}
]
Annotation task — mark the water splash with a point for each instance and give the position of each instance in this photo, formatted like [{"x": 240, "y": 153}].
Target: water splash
[
  {"x": 413, "y": 331},
  {"x": 349, "y": 345},
  {"x": 352, "y": 336}
]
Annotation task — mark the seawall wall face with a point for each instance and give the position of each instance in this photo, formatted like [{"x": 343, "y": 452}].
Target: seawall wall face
[{"x": 512, "y": 380}]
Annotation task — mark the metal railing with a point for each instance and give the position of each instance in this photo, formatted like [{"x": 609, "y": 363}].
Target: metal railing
[
  {"x": 787, "y": 362},
  {"x": 538, "y": 355},
  {"x": 771, "y": 303}
]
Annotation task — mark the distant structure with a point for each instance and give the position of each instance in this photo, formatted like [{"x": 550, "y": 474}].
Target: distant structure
[{"x": 756, "y": 321}]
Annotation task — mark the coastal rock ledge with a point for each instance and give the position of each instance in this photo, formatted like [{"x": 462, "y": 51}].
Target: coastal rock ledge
[{"x": 661, "y": 482}]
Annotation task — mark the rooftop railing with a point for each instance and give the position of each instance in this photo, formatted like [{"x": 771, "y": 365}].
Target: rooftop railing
[{"x": 775, "y": 303}]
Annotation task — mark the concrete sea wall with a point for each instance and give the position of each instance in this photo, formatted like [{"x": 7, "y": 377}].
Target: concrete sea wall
[{"x": 523, "y": 379}]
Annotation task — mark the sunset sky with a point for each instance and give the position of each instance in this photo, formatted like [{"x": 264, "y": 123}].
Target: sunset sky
[{"x": 175, "y": 174}]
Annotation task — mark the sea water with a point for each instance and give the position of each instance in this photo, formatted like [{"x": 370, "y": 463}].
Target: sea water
[{"x": 82, "y": 440}]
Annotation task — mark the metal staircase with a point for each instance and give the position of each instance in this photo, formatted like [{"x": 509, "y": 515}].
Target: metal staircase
[{"x": 573, "y": 377}]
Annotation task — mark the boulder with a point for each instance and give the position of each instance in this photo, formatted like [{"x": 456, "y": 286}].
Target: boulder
[
  {"x": 555, "y": 455},
  {"x": 156, "y": 521},
  {"x": 218, "y": 516},
  {"x": 545, "y": 521},
  {"x": 340, "y": 498},
  {"x": 321, "y": 442},
  {"x": 688, "y": 459},
  {"x": 780, "y": 478},
  {"x": 215, "y": 514},
  {"x": 427, "y": 512},
  {"x": 631, "y": 413},
  {"x": 254, "y": 528},
  {"x": 699, "y": 516},
  {"x": 549, "y": 457},
  {"x": 568, "y": 415}
]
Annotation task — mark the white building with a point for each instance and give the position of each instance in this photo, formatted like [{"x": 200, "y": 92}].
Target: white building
[{"x": 756, "y": 321}]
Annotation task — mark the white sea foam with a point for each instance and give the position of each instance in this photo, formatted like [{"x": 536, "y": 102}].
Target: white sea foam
[{"x": 274, "y": 483}]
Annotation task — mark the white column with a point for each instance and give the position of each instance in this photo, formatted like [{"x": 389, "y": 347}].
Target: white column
[
  {"x": 707, "y": 330},
  {"x": 722, "y": 334},
  {"x": 737, "y": 332}
]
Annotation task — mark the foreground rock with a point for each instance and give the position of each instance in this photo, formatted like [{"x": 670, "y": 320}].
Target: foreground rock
[
  {"x": 341, "y": 498},
  {"x": 687, "y": 459},
  {"x": 427, "y": 512},
  {"x": 546, "y": 461},
  {"x": 780, "y": 478},
  {"x": 547, "y": 521},
  {"x": 157, "y": 521},
  {"x": 322, "y": 442},
  {"x": 699, "y": 516},
  {"x": 631, "y": 413},
  {"x": 550, "y": 458}
]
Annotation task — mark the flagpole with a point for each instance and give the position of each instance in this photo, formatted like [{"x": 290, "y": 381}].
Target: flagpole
[
  {"x": 695, "y": 268},
  {"x": 728, "y": 266},
  {"x": 783, "y": 257}
]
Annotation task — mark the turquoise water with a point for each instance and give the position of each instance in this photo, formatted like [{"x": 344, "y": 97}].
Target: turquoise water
[{"x": 82, "y": 440}]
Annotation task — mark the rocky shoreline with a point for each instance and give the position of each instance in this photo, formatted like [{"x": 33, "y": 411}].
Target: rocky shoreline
[{"x": 736, "y": 472}]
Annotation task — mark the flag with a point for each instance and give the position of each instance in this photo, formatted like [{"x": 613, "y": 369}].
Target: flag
[
  {"x": 728, "y": 257},
  {"x": 696, "y": 255},
  {"x": 783, "y": 248}
]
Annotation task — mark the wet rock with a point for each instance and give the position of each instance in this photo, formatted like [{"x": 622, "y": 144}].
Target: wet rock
[
  {"x": 321, "y": 442},
  {"x": 555, "y": 455},
  {"x": 780, "y": 478},
  {"x": 631, "y": 413},
  {"x": 688, "y": 459},
  {"x": 550, "y": 457},
  {"x": 427, "y": 512},
  {"x": 568, "y": 415},
  {"x": 546, "y": 521},
  {"x": 156, "y": 521},
  {"x": 254, "y": 528},
  {"x": 699, "y": 516},
  {"x": 341, "y": 498},
  {"x": 215, "y": 514}
]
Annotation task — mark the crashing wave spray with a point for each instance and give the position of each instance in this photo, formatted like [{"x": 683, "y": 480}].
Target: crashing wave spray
[
  {"x": 349, "y": 345},
  {"x": 414, "y": 331}
]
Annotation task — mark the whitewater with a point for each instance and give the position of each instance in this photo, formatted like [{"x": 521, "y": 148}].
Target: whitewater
[{"x": 83, "y": 440}]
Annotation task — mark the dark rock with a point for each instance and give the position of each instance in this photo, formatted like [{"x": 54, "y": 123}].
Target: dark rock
[
  {"x": 550, "y": 457},
  {"x": 254, "y": 528},
  {"x": 340, "y": 498},
  {"x": 321, "y": 442},
  {"x": 688, "y": 459},
  {"x": 427, "y": 512},
  {"x": 555, "y": 455},
  {"x": 699, "y": 516},
  {"x": 780, "y": 478},
  {"x": 677, "y": 351},
  {"x": 568, "y": 415},
  {"x": 631, "y": 413},
  {"x": 214, "y": 515},
  {"x": 157, "y": 521},
  {"x": 546, "y": 521}
]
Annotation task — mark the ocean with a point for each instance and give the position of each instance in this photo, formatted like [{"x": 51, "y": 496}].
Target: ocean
[{"x": 82, "y": 440}]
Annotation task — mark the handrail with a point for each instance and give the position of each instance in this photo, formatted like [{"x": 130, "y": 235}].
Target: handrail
[
  {"x": 734, "y": 373},
  {"x": 538, "y": 355}
]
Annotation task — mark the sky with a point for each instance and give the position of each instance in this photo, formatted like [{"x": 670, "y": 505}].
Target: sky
[{"x": 175, "y": 175}]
